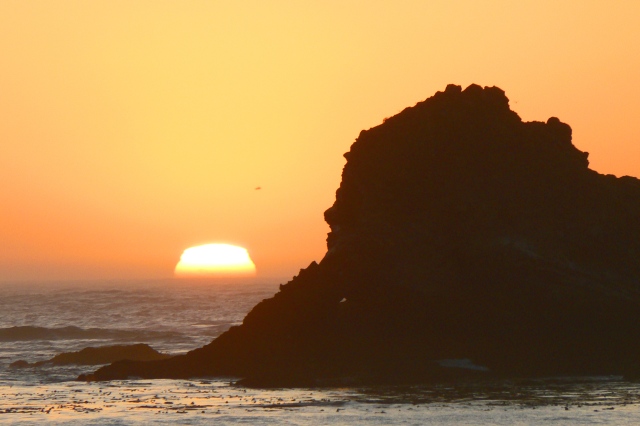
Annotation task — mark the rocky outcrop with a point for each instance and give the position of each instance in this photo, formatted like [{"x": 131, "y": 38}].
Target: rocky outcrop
[
  {"x": 458, "y": 232},
  {"x": 99, "y": 355}
]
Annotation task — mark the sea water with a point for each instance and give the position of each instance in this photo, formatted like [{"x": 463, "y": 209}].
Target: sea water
[{"x": 38, "y": 321}]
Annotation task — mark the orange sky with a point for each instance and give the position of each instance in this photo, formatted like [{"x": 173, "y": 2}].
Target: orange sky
[{"x": 131, "y": 130}]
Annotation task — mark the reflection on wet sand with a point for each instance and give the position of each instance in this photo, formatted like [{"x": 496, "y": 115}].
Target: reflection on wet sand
[{"x": 199, "y": 402}]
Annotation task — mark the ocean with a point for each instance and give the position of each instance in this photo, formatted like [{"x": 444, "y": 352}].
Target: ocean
[{"x": 40, "y": 320}]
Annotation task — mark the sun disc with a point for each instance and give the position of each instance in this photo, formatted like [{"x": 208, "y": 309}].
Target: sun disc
[{"x": 215, "y": 260}]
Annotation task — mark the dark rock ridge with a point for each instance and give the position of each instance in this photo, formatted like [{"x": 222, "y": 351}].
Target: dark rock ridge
[
  {"x": 99, "y": 355},
  {"x": 458, "y": 232}
]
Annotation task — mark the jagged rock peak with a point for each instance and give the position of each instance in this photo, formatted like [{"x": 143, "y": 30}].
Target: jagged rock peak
[
  {"x": 454, "y": 107},
  {"x": 452, "y": 140}
]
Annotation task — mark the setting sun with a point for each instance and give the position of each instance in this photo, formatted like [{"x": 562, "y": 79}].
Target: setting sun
[{"x": 213, "y": 260}]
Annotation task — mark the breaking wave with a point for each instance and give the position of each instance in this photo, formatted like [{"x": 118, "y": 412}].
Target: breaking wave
[{"x": 24, "y": 333}]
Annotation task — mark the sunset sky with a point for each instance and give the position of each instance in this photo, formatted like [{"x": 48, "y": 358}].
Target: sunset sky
[{"x": 131, "y": 130}]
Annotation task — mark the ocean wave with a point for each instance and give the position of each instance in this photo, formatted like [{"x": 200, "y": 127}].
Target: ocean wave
[{"x": 23, "y": 333}]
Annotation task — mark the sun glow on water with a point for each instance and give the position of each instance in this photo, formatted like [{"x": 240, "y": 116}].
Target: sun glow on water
[{"x": 214, "y": 260}]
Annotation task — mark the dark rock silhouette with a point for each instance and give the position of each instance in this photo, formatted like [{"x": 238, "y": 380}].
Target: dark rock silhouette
[
  {"x": 99, "y": 355},
  {"x": 458, "y": 232},
  {"x": 20, "y": 364}
]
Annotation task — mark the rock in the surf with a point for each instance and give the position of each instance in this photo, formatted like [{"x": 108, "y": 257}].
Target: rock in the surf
[{"x": 99, "y": 355}]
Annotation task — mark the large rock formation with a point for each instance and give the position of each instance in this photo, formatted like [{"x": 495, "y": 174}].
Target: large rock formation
[{"x": 458, "y": 231}]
